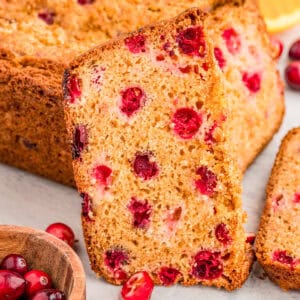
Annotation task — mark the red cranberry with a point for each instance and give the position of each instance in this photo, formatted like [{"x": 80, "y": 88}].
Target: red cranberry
[
  {"x": 292, "y": 75},
  {"x": 208, "y": 181},
  {"x": 72, "y": 90},
  {"x": 252, "y": 81},
  {"x": 80, "y": 140},
  {"x": 49, "y": 294},
  {"x": 186, "y": 69},
  {"x": 86, "y": 206},
  {"x": 283, "y": 258},
  {"x": 62, "y": 232},
  {"x": 141, "y": 211},
  {"x": 37, "y": 280},
  {"x": 102, "y": 174},
  {"x": 191, "y": 41},
  {"x": 168, "y": 275},
  {"x": 114, "y": 259},
  {"x": 186, "y": 122},
  {"x": 232, "y": 40},
  {"x": 209, "y": 134},
  {"x": 297, "y": 198},
  {"x": 250, "y": 238},
  {"x": 136, "y": 43},
  {"x": 144, "y": 167},
  {"x": 12, "y": 285},
  {"x": 15, "y": 263},
  {"x": 220, "y": 57},
  {"x": 294, "y": 52},
  {"x": 278, "y": 46},
  {"x": 222, "y": 234},
  {"x": 138, "y": 287},
  {"x": 47, "y": 16},
  {"x": 132, "y": 100},
  {"x": 84, "y": 2},
  {"x": 207, "y": 265}
]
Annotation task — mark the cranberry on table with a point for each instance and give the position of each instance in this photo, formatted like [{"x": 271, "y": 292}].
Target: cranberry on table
[
  {"x": 49, "y": 294},
  {"x": 14, "y": 262},
  {"x": 12, "y": 285},
  {"x": 138, "y": 287},
  {"x": 63, "y": 232},
  {"x": 294, "y": 52},
  {"x": 37, "y": 280},
  {"x": 292, "y": 75}
]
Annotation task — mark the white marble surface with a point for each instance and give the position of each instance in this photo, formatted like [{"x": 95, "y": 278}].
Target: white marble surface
[{"x": 32, "y": 201}]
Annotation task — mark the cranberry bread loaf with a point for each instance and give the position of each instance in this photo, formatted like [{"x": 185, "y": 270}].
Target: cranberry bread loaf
[
  {"x": 278, "y": 238},
  {"x": 50, "y": 33},
  {"x": 158, "y": 194}
]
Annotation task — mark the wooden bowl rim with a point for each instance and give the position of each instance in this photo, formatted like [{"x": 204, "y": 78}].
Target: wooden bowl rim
[{"x": 79, "y": 285}]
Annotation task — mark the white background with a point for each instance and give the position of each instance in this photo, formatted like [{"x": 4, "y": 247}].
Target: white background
[{"x": 32, "y": 201}]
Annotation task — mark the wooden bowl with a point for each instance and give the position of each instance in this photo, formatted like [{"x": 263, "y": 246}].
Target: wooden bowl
[{"x": 47, "y": 253}]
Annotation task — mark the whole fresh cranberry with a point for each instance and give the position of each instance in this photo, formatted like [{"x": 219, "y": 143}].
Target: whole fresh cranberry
[
  {"x": 278, "y": 46},
  {"x": 62, "y": 232},
  {"x": 14, "y": 262},
  {"x": 294, "y": 52},
  {"x": 292, "y": 75},
  {"x": 12, "y": 285},
  {"x": 37, "y": 280},
  {"x": 48, "y": 294},
  {"x": 138, "y": 287}
]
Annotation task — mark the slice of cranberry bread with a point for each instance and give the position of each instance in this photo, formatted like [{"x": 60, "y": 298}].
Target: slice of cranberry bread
[
  {"x": 278, "y": 238},
  {"x": 158, "y": 195},
  {"x": 248, "y": 60}
]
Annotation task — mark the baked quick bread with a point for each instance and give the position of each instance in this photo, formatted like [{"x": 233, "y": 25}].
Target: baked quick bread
[
  {"x": 158, "y": 195},
  {"x": 38, "y": 39},
  {"x": 278, "y": 238}
]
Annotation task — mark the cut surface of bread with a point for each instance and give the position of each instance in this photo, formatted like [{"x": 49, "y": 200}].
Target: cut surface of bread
[
  {"x": 38, "y": 39},
  {"x": 278, "y": 239},
  {"x": 148, "y": 118}
]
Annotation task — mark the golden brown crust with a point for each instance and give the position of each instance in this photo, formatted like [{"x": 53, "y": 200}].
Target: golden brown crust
[{"x": 281, "y": 212}]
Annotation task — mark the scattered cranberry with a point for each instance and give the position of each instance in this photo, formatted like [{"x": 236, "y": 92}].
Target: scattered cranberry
[
  {"x": 297, "y": 198},
  {"x": 49, "y": 294},
  {"x": 86, "y": 206},
  {"x": 84, "y": 2},
  {"x": 168, "y": 275},
  {"x": 72, "y": 90},
  {"x": 12, "y": 285},
  {"x": 294, "y": 52},
  {"x": 209, "y": 134},
  {"x": 208, "y": 181},
  {"x": 220, "y": 57},
  {"x": 144, "y": 167},
  {"x": 252, "y": 81},
  {"x": 132, "y": 100},
  {"x": 47, "y": 16},
  {"x": 222, "y": 234},
  {"x": 15, "y": 263},
  {"x": 37, "y": 280},
  {"x": 136, "y": 44},
  {"x": 141, "y": 211},
  {"x": 62, "y": 232},
  {"x": 115, "y": 259},
  {"x": 283, "y": 258},
  {"x": 278, "y": 45},
  {"x": 207, "y": 265},
  {"x": 138, "y": 287},
  {"x": 186, "y": 122},
  {"x": 191, "y": 41},
  {"x": 250, "y": 238},
  {"x": 292, "y": 75},
  {"x": 232, "y": 39},
  {"x": 80, "y": 139},
  {"x": 102, "y": 174}
]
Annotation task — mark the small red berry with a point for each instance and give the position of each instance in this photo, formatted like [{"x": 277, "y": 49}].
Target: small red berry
[
  {"x": 80, "y": 140},
  {"x": 278, "y": 45},
  {"x": 49, "y": 294},
  {"x": 282, "y": 257},
  {"x": 141, "y": 212},
  {"x": 250, "y": 238},
  {"x": 72, "y": 90},
  {"x": 220, "y": 57},
  {"x": 138, "y": 287},
  {"x": 168, "y": 275},
  {"x": 136, "y": 44},
  {"x": 292, "y": 75},
  {"x": 232, "y": 40},
  {"x": 37, "y": 280},
  {"x": 84, "y": 2},
  {"x": 47, "y": 16},
  {"x": 297, "y": 198},
  {"x": 252, "y": 81},
  {"x": 294, "y": 52},
  {"x": 222, "y": 234},
  {"x": 132, "y": 100},
  {"x": 62, "y": 232},
  {"x": 102, "y": 174},
  {"x": 12, "y": 285},
  {"x": 144, "y": 166},
  {"x": 207, "y": 182},
  {"x": 15, "y": 263}
]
